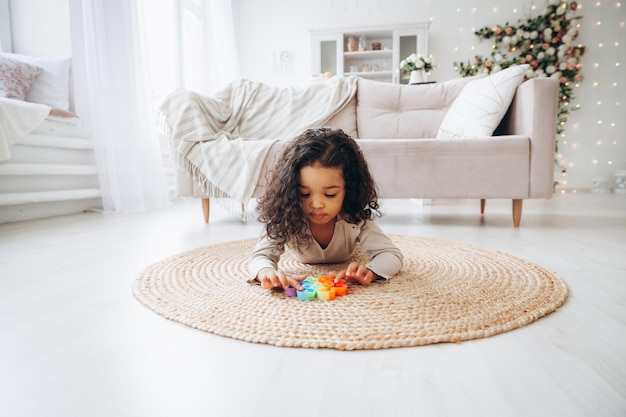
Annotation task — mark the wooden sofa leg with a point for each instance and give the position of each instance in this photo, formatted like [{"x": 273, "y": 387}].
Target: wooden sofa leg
[
  {"x": 517, "y": 211},
  {"x": 206, "y": 207},
  {"x": 482, "y": 205}
]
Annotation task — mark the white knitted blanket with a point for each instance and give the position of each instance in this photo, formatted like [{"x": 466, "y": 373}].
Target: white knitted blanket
[{"x": 222, "y": 141}]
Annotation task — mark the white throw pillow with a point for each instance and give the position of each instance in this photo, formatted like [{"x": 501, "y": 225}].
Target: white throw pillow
[
  {"x": 481, "y": 105},
  {"x": 52, "y": 87}
]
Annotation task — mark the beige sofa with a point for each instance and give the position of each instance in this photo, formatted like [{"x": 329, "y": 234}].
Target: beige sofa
[{"x": 397, "y": 126}]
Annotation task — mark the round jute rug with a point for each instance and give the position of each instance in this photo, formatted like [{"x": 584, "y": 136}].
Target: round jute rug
[{"x": 446, "y": 292}]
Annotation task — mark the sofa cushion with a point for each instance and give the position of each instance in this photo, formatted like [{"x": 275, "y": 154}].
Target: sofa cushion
[
  {"x": 481, "y": 105},
  {"x": 403, "y": 111},
  {"x": 345, "y": 119},
  {"x": 496, "y": 167}
]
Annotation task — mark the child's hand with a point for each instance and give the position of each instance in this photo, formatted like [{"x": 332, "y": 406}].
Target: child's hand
[
  {"x": 358, "y": 273},
  {"x": 270, "y": 278}
]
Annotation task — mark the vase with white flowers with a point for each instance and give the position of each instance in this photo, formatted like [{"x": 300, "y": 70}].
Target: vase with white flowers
[{"x": 418, "y": 66}]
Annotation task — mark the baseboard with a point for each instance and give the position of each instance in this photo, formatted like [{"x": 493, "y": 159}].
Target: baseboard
[{"x": 17, "y": 213}]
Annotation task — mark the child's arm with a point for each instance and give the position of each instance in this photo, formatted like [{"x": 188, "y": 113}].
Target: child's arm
[
  {"x": 385, "y": 257},
  {"x": 263, "y": 266}
]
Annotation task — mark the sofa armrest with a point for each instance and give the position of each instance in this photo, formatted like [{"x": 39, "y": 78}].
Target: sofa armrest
[
  {"x": 186, "y": 186},
  {"x": 533, "y": 113}
]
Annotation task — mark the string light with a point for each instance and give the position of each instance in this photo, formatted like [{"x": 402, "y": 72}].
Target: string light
[{"x": 591, "y": 138}]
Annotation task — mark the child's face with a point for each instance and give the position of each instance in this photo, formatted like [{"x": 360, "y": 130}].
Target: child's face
[{"x": 321, "y": 192}]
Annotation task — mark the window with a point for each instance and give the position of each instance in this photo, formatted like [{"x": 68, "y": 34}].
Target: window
[{"x": 175, "y": 45}]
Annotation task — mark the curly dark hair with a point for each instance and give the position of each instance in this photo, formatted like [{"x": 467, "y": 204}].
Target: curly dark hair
[{"x": 279, "y": 206}]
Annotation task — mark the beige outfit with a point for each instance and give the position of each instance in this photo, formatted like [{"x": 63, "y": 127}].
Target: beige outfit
[{"x": 385, "y": 257}]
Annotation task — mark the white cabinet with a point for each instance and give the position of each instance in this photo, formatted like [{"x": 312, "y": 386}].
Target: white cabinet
[{"x": 372, "y": 52}]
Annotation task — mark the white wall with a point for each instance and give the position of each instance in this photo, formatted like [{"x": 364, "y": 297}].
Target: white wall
[
  {"x": 41, "y": 28},
  {"x": 594, "y": 142}
]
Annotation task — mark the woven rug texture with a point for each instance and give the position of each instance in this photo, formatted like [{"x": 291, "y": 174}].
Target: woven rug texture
[{"x": 445, "y": 292}]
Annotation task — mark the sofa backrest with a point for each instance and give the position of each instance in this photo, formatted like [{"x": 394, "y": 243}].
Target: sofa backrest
[
  {"x": 401, "y": 111},
  {"x": 345, "y": 119}
]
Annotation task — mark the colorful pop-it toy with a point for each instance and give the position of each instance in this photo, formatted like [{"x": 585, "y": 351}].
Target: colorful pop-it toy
[{"x": 322, "y": 287}]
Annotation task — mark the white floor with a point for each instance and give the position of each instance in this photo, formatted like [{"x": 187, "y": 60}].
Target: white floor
[{"x": 75, "y": 342}]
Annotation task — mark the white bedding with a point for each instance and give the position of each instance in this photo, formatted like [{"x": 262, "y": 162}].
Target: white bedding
[{"x": 18, "y": 118}]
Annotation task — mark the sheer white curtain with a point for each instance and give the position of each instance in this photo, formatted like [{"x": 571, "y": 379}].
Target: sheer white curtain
[
  {"x": 120, "y": 62},
  {"x": 223, "y": 65},
  {"x": 191, "y": 43},
  {"x": 127, "y": 150}
]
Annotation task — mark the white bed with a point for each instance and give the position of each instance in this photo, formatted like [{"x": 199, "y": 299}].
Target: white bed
[{"x": 47, "y": 164}]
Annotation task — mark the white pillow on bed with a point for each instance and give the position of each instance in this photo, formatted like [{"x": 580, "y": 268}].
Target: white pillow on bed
[
  {"x": 481, "y": 105},
  {"x": 52, "y": 87}
]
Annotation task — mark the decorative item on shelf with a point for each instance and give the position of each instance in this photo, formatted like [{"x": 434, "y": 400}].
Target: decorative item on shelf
[
  {"x": 376, "y": 46},
  {"x": 351, "y": 44},
  {"x": 362, "y": 43},
  {"x": 620, "y": 181},
  {"x": 418, "y": 66},
  {"x": 321, "y": 77},
  {"x": 417, "y": 76},
  {"x": 601, "y": 184}
]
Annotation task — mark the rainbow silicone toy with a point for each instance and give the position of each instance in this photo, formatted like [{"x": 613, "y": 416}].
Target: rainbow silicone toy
[{"x": 322, "y": 287}]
